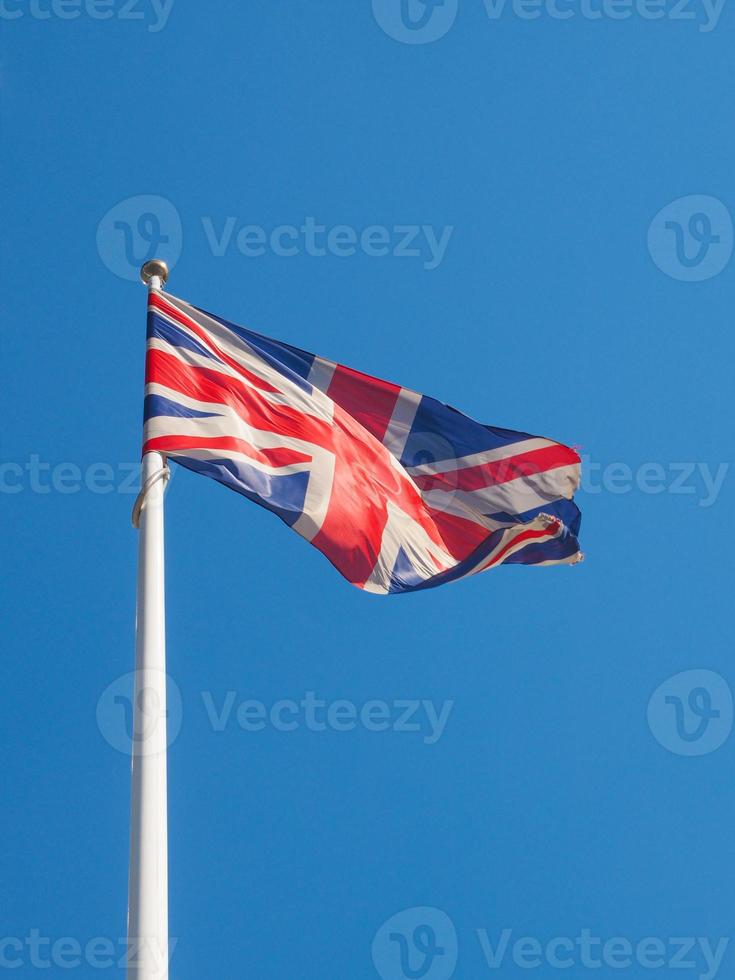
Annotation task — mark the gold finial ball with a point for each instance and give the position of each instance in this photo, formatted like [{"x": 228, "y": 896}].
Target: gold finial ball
[{"x": 155, "y": 269}]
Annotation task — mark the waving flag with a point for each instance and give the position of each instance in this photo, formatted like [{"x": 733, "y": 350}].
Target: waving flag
[{"x": 398, "y": 490}]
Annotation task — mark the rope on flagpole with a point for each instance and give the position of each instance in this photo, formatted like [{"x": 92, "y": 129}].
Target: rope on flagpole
[{"x": 163, "y": 474}]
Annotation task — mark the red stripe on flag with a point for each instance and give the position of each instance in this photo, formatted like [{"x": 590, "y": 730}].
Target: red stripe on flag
[
  {"x": 460, "y": 535},
  {"x": 269, "y": 457},
  {"x": 548, "y": 532},
  {"x": 369, "y": 400},
  {"x": 500, "y": 471}
]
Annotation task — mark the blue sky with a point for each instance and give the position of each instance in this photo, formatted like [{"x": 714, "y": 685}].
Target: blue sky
[{"x": 579, "y": 172}]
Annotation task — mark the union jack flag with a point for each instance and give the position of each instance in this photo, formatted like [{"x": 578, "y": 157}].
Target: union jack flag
[{"x": 400, "y": 491}]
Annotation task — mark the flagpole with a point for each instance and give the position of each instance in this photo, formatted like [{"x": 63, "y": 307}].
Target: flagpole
[{"x": 148, "y": 880}]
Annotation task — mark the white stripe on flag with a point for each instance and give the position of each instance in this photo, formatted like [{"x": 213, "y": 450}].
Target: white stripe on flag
[
  {"x": 399, "y": 427},
  {"x": 321, "y": 373},
  {"x": 479, "y": 459}
]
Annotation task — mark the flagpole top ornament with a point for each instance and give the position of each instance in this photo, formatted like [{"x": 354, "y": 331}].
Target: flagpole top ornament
[{"x": 155, "y": 269}]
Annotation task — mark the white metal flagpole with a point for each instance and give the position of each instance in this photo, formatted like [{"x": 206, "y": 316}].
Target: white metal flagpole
[{"x": 148, "y": 882}]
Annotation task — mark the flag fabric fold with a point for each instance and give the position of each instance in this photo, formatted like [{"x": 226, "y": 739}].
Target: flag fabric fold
[{"x": 398, "y": 490}]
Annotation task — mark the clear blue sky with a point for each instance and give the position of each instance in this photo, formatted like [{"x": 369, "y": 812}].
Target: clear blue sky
[{"x": 549, "y": 804}]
